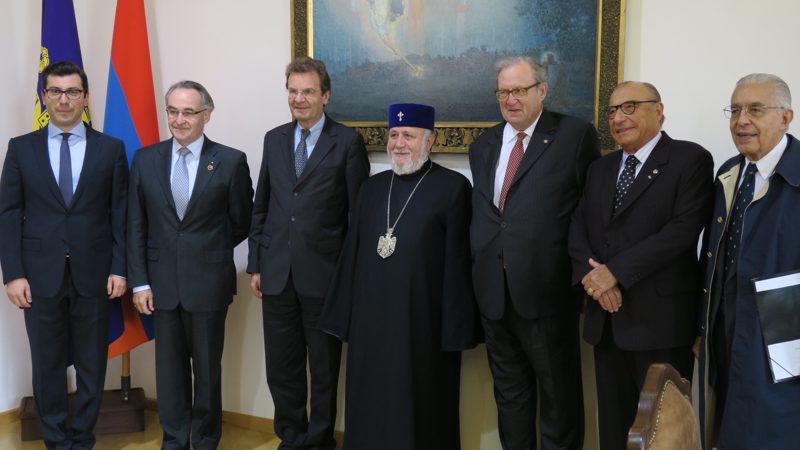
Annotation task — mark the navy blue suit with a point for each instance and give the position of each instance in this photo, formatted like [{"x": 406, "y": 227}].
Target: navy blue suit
[{"x": 66, "y": 252}]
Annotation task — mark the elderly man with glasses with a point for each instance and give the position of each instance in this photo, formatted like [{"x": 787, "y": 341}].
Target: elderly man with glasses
[
  {"x": 189, "y": 205},
  {"x": 752, "y": 236},
  {"x": 633, "y": 243},
  {"x": 528, "y": 174}
]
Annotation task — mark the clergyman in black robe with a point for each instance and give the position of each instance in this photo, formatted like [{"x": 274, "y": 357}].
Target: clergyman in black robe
[{"x": 405, "y": 307}]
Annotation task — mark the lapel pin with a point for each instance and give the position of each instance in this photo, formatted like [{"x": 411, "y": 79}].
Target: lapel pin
[
  {"x": 546, "y": 141},
  {"x": 655, "y": 171},
  {"x": 210, "y": 167}
]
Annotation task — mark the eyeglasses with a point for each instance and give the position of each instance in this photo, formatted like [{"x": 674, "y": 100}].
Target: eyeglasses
[
  {"x": 755, "y": 110},
  {"x": 173, "y": 113},
  {"x": 627, "y": 108},
  {"x": 55, "y": 93},
  {"x": 518, "y": 93},
  {"x": 293, "y": 93}
]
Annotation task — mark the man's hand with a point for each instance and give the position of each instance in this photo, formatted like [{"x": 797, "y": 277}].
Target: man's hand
[
  {"x": 19, "y": 292},
  {"x": 696, "y": 346},
  {"x": 611, "y": 300},
  {"x": 116, "y": 286},
  {"x": 255, "y": 284},
  {"x": 143, "y": 301},
  {"x": 598, "y": 280}
]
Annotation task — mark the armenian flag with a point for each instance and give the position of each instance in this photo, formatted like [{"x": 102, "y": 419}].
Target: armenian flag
[{"x": 130, "y": 116}]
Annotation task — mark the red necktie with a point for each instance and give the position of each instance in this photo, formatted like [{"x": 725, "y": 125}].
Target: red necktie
[{"x": 513, "y": 164}]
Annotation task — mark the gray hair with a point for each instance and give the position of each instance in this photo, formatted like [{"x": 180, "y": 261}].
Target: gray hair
[
  {"x": 781, "y": 89},
  {"x": 206, "y": 102},
  {"x": 539, "y": 72}
]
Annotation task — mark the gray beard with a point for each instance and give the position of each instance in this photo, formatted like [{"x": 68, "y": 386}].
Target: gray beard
[{"x": 410, "y": 166}]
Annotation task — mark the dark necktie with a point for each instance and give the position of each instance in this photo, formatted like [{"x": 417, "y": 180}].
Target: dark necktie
[
  {"x": 514, "y": 161},
  {"x": 743, "y": 198},
  {"x": 625, "y": 181},
  {"x": 180, "y": 183},
  {"x": 301, "y": 153},
  {"x": 65, "y": 169}
]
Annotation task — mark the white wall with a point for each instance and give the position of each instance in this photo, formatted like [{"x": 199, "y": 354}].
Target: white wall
[{"x": 693, "y": 51}]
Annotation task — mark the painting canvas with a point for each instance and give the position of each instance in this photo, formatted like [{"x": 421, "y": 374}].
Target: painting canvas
[{"x": 443, "y": 53}]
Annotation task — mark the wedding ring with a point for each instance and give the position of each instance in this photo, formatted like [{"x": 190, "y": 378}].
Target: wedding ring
[{"x": 590, "y": 291}]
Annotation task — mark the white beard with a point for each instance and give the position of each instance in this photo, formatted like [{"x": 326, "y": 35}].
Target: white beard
[{"x": 411, "y": 165}]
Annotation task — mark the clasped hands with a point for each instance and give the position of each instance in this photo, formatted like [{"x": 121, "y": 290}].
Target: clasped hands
[{"x": 602, "y": 286}]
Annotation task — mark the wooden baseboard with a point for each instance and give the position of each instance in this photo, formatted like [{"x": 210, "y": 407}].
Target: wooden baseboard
[
  {"x": 246, "y": 421},
  {"x": 8, "y": 417}
]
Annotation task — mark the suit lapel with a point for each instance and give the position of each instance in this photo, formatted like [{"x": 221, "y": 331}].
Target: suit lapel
[
  {"x": 42, "y": 154},
  {"x": 648, "y": 173},
  {"x": 540, "y": 141},
  {"x": 91, "y": 159},
  {"x": 321, "y": 149},
  {"x": 206, "y": 168},
  {"x": 162, "y": 163},
  {"x": 288, "y": 153},
  {"x": 609, "y": 185},
  {"x": 490, "y": 154}
]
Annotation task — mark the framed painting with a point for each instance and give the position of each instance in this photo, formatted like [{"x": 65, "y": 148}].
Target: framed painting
[{"x": 442, "y": 53}]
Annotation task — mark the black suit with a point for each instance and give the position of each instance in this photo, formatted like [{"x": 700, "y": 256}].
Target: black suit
[
  {"x": 67, "y": 254},
  {"x": 650, "y": 246},
  {"x": 521, "y": 273},
  {"x": 299, "y": 226},
  {"x": 189, "y": 266}
]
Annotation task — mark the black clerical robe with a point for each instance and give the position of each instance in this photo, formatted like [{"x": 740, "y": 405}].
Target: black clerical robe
[{"x": 405, "y": 317}]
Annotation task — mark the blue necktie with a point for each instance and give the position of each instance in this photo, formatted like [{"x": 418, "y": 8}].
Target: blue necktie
[
  {"x": 65, "y": 169},
  {"x": 625, "y": 181},
  {"x": 743, "y": 198},
  {"x": 301, "y": 153},
  {"x": 180, "y": 183}
]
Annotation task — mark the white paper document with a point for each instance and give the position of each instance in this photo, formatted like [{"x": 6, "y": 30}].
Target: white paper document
[{"x": 785, "y": 359}]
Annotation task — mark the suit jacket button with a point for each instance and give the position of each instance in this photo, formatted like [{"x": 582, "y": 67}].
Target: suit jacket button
[
  {"x": 292, "y": 219},
  {"x": 709, "y": 254},
  {"x": 295, "y": 194},
  {"x": 719, "y": 219},
  {"x": 503, "y": 225}
]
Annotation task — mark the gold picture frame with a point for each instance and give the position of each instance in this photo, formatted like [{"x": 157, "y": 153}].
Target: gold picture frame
[{"x": 455, "y": 137}]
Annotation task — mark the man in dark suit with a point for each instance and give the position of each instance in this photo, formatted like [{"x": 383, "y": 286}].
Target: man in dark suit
[
  {"x": 62, "y": 222},
  {"x": 310, "y": 174},
  {"x": 189, "y": 205},
  {"x": 528, "y": 175},
  {"x": 633, "y": 243}
]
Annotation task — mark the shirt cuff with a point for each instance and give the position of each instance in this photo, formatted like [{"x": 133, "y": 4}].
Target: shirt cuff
[{"x": 141, "y": 288}]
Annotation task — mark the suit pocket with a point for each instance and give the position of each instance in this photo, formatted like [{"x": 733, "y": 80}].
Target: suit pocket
[
  {"x": 262, "y": 240},
  {"x": 329, "y": 246},
  {"x": 217, "y": 256},
  {"x": 152, "y": 254},
  {"x": 31, "y": 244}
]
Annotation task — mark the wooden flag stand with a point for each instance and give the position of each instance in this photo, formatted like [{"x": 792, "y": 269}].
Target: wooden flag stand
[{"x": 122, "y": 410}]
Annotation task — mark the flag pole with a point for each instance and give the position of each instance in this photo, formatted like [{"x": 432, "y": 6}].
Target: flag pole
[{"x": 125, "y": 379}]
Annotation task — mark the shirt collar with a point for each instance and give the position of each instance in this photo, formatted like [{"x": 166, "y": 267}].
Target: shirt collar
[
  {"x": 767, "y": 164},
  {"x": 314, "y": 130},
  {"x": 643, "y": 153},
  {"x": 194, "y": 148},
  {"x": 77, "y": 130},
  {"x": 510, "y": 134}
]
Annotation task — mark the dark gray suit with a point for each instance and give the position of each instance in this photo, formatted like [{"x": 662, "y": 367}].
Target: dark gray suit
[
  {"x": 299, "y": 226},
  {"x": 521, "y": 274},
  {"x": 70, "y": 302},
  {"x": 189, "y": 266}
]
